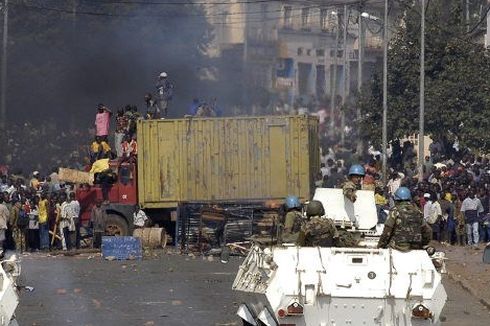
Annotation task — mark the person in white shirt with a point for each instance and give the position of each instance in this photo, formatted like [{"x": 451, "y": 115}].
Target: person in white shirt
[
  {"x": 139, "y": 217},
  {"x": 472, "y": 208},
  {"x": 433, "y": 215},
  {"x": 75, "y": 219},
  {"x": 67, "y": 223}
]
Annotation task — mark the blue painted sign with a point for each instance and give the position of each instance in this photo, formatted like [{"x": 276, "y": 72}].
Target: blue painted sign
[{"x": 121, "y": 248}]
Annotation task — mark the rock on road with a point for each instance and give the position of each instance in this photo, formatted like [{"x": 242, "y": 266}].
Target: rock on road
[{"x": 169, "y": 290}]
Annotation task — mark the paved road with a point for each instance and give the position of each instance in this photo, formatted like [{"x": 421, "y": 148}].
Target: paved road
[{"x": 169, "y": 290}]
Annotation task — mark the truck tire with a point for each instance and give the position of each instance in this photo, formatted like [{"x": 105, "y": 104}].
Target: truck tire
[{"x": 116, "y": 226}]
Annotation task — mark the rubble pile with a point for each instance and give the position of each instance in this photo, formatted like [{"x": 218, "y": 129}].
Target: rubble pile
[{"x": 205, "y": 227}]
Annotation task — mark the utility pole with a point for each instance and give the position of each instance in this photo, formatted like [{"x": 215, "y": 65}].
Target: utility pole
[
  {"x": 245, "y": 74},
  {"x": 346, "y": 78},
  {"x": 385, "y": 95},
  {"x": 467, "y": 12},
  {"x": 3, "y": 81},
  {"x": 422, "y": 92},
  {"x": 333, "y": 88},
  {"x": 487, "y": 44},
  {"x": 74, "y": 14},
  {"x": 360, "y": 49}
]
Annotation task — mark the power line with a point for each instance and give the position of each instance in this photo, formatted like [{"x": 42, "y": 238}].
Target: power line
[
  {"x": 178, "y": 3},
  {"x": 207, "y": 15},
  {"x": 106, "y": 14},
  {"x": 437, "y": 25}
]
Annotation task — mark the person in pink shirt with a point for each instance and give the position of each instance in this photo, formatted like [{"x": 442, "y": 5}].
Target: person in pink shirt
[{"x": 102, "y": 120}]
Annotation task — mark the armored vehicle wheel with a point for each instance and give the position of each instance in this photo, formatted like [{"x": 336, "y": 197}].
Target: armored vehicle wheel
[{"x": 116, "y": 225}]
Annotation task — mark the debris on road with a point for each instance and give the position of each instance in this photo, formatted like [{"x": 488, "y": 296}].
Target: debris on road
[{"x": 206, "y": 229}]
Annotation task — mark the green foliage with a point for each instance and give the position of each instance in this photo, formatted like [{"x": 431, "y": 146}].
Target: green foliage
[{"x": 457, "y": 97}]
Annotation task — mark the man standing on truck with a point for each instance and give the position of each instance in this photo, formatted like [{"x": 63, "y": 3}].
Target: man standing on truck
[
  {"x": 405, "y": 228},
  {"x": 164, "y": 92},
  {"x": 356, "y": 174},
  {"x": 152, "y": 107},
  {"x": 102, "y": 121}
]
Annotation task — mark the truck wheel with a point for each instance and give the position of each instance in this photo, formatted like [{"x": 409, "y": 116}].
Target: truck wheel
[{"x": 116, "y": 226}]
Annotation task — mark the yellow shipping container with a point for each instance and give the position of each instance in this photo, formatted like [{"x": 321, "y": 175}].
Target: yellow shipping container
[{"x": 240, "y": 159}]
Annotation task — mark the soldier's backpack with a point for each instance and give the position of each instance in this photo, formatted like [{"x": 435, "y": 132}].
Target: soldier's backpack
[{"x": 22, "y": 220}]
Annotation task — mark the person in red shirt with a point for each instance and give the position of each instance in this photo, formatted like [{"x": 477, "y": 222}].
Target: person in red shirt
[
  {"x": 133, "y": 147},
  {"x": 122, "y": 123}
]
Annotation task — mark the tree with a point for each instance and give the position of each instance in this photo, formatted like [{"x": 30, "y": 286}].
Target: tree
[{"x": 457, "y": 100}]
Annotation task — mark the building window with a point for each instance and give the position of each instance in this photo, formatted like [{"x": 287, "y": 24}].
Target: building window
[
  {"x": 324, "y": 19},
  {"x": 287, "y": 16},
  {"x": 308, "y": 52},
  {"x": 263, "y": 9},
  {"x": 339, "y": 53},
  {"x": 320, "y": 52},
  {"x": 305, "y": 16},
  {"x": 300, "y": 51}
]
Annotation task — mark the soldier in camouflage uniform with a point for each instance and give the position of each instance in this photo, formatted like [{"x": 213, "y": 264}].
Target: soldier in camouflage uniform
[
  {"x": 356, "y": 174},
  {"x": 318, "y": 231},
  {"x": 293, "y": 220},
  {"x": 405, "y": 228},
  {"x": 460, "y": 222}
]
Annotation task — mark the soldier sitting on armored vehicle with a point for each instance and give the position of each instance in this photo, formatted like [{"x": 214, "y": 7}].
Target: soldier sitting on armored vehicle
[
  {"x": 405, "y": 228},
  {"x": 356, "y": 174},
  {"x": 318, "y": 231},
  {"x": 292, "y": 221}
]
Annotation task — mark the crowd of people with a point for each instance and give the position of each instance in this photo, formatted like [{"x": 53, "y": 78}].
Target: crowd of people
[
  {"x": 38, "y": 214},
  {"x": 452, "y": 193}
]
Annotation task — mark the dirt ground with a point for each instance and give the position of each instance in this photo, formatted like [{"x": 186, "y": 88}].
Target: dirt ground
[{"x": 465, "y": 265}]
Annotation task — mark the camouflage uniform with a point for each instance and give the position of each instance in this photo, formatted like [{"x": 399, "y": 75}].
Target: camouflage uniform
[
  {"x": 349, "y": 189},
  {"x": 405, "y": 228},
  {"x": 320, "y": 232},
  {"x": 292, "y": 226},
  {"x": 347, "y": 239},
  {"x": 460, "y": 223}
]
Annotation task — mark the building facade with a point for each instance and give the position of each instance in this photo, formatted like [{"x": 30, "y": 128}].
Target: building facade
[{"x": 295, "y": 49}]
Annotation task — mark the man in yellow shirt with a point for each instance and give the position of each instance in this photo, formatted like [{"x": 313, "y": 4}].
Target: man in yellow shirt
[
  {"x": 99, "y": 149},
  {"x": 43, "y": 223},
  {"x": 104, "y": 176}
]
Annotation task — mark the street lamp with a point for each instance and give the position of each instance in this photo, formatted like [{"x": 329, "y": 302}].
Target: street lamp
[
  {"x": 385, "y": 86},
  {"x": 368, "y": 16}
]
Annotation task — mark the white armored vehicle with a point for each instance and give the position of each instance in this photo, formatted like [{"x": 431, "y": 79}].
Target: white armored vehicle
[
  {"x": 306, "y": 286},
  {"x": 9, "y": 297}
]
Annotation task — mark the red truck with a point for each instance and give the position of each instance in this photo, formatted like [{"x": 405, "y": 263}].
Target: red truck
[{"x": 209, "y": 161}]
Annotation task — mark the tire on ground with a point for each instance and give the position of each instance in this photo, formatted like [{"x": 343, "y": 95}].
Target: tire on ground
[{"x": 116, "y": 225}]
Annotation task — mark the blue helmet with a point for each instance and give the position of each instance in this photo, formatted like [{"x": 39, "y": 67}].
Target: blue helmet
[
  {"x": 292, "y": 202},
  {"x": 402, "y": 193},
  {"x": 357, "y": 169}
]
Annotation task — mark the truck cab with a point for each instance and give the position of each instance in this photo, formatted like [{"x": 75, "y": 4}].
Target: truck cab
[{"x": 122, "y": 199}]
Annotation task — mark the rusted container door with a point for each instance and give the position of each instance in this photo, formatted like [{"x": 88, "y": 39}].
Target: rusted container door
[
  {"x": 158, "y": 177},
  {"x": 226, "y": 159}
]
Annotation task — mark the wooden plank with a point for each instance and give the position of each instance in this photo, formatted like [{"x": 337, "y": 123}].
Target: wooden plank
[{"x": 75, "y": 176}]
